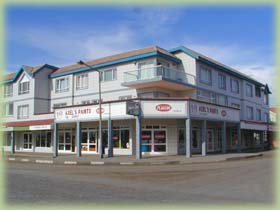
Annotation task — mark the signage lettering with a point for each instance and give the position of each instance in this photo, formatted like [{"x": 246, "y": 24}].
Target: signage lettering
[{"x": 163, "y": 107}]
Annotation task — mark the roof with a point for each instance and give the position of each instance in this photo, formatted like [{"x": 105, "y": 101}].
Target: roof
[
  {"x": 31, "y": 71},
  {"x": 29, "y": 123},
  {"x": 273, "y": 109},
  {"x": 214, "y": 63},
  {"x": 118, "y": 58}
]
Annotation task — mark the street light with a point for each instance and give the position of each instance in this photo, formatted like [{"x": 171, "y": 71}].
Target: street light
[{"x": 100, "y": 143}]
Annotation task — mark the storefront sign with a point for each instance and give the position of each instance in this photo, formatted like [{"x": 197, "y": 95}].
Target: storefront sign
[
  {"x": 253, "y": 126},
  {"x": 40, "y": 127},
  {"x": 164, "y": 109},
  {"x": 114, "y": 110},
  {"x": 208, "y": 111}
]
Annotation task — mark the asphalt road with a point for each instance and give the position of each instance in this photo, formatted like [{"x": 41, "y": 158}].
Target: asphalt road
[{"x": 238, "y": 182}]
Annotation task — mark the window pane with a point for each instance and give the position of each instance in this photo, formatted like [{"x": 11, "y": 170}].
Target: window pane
[{"x": 125, "y": 139}]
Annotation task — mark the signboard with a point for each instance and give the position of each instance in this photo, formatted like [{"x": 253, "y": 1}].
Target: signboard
[
  {"x": 208, "y": 111},
  {"x": 133, "y": 108},
  {"x": 114, "y": 110},
  {"x": 164, "y": 109},
  {"x": 253, "y": 126},
  {"x": 40, "y": 127}
]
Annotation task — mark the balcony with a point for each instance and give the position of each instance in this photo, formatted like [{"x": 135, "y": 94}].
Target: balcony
[{"x": 159, "y": 76}]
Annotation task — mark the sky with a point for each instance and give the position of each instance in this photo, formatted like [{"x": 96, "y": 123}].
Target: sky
[{"x": 241, "y": 37}]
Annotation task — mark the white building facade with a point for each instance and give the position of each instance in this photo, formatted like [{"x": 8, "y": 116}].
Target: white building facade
[{"x": 188, "y": 104}]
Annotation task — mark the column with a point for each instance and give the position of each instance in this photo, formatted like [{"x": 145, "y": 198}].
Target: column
[
  {"x": 188, "y": 137},
  {"x": 224, "y": 138},
  {"x": 238, "y": 138},
  {"x": 55, "y": 139},
  {"x": 204, "y": 138},
  {"x": 13, "y": 142},
  {"x": 78, "y": 139},
  {"x": 110, "y": 139},
  {"x": 138, "y": 137}
]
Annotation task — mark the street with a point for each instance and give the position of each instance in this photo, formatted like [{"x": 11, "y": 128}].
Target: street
[{"x": 238, "y": 182}]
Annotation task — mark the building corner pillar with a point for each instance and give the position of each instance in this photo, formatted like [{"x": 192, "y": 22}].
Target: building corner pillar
[
  {"x": 188, "y": 137},
  {"x": 78, "y": 139},
  {"x": 13, "y": 142},
  {"x": 204, "y": 138},
  {"x": 55, "y": 140}
]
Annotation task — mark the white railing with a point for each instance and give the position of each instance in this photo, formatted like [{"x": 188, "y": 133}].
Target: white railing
[{"x": 159, "y": 72}]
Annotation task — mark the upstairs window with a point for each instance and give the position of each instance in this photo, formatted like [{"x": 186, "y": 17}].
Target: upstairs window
[
  {"x": 24, "y": 86},
  {"x": 9, "y": 109},
  {"x": 23, "y": 112},
  {"x": 234, "y": 83},
  {"x": 82, "y": 81},
  {"x": 8, "y": 90},
  {"x": 222, "y": 81},
  {"x": 265, "y": 99},
  {"x": 258, "y": 91},
  {"x": 266, "y": 117},
  {"x": 205, "y": 75},
  {"x": 206, "y": 96},
  {"x": 108, "y": 75},
  {"x": 250, "y": 113},
  {"x": 62, "y": 85},
  {"x": 249, "y": 90},
  {"x": 221, "y": 99},
  {"x": 258, "y": 115}
]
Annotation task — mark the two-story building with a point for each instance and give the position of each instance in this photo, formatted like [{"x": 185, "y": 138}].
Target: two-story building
[{"x": 188, "y": 103}]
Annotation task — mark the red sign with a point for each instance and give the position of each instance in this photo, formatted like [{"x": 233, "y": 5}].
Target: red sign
[
  {"x": 102, "y": 110},
  {"x": 163, "y": 107},
  {"x": 146, "y": 136},
  {"x": 223, "y": 113},
  {"x": 159, "y": 136}
]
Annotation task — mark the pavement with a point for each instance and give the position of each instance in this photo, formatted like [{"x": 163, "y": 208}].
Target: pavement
[{"x": 94, "y": 159}]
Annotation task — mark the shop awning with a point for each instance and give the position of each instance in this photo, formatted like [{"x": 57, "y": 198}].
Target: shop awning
[{"x": 30, "y": 125}]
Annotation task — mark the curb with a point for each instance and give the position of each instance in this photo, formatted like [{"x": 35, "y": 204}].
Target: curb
[{"x": 133, "y": 163}]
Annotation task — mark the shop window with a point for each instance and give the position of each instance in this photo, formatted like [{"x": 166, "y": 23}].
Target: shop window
[
  {"x": 43, "y": 139},
  {"x": 7, "y": 139},
  {"x": 257, "y": 138}
]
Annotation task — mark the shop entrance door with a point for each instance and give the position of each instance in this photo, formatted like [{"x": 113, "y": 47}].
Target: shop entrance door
[
  {"x": 27, "y": 141},
  {"x": 210, "y": 140},
  {"x": 196, "y": 143},
  {"x": 89, "y": 140},
  {"x": 154, "y": 140},
  {"x": 66, "y": 141}
]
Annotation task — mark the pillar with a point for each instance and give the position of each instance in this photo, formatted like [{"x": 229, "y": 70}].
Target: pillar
[
  {"x": 110, "y": 139},
  {"x": 78, "y": 139},
  {"x": 55, "y": 139},
  {"x": 224, "y": 138},
  {"x": 188, "y": 137},
  {"x": 138, "y": 137},
  {"x": 238, "y": 138},
  {"x": 13, "y": 142},
  {"x": 204, "y": 138}
]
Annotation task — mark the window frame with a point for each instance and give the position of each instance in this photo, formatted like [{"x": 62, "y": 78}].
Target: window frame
[
  {"x": 8, "y": 105},
  {"x": 8, "y": 90},
  {"x": 258, "y": 90},
  {"x": 114, "y": 75},
  {"x": 231, "y": 85},
  {"x": 222, "y": 84},
  {"x": 201, "y": 69},
  {"x": 18, "y": 112},
  {"x": 21, "y": 86},
  {"x": 82, "y": 84},
  {"x": 248, "y": 112},
  {"x": 258, "y": 114},
  {"x": 249, "y": 90},
  {"x": 58, "y": 85}
]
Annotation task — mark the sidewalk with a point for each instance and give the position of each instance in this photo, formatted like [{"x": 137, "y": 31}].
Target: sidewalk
[{"x": 72, "y": 159}]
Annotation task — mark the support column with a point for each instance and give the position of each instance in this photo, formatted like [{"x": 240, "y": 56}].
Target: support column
[
  {"x": 224, "y": 138},
  {"x": 238, "y": 138},
  {"x": 13, "y": 142},
  {"x": 55, "y": 139},
  {"x": 78, "y": 139},
  {"x": 110, "y": 139},
  {"x": 188, "y": 137},
  {"x": 138, "y": 137},
  {"x": 204, "y": 138}
]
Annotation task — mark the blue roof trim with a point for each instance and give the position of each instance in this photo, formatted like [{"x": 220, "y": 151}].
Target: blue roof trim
[
  {"x": 136, "y": 57},
  {"x": 185, "y": 50}
]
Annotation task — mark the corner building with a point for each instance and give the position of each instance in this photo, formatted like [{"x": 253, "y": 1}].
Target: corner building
[{"x": 189, "y": 104}]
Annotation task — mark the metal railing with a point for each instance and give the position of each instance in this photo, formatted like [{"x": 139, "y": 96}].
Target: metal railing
[{"x": 159, "y": 72}]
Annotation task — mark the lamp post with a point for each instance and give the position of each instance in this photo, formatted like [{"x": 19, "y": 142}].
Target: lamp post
[{"x": 100, "y": 143}]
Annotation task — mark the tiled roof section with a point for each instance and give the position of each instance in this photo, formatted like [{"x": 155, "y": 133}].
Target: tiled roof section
[
  {"x": 115, "y": 57},
  {"x": 9, "y": 76},
  {"x": 32, "y": 69}
]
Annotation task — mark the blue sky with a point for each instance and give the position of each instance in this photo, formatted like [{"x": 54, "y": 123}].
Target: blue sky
[{"x": 242, "y": 37}]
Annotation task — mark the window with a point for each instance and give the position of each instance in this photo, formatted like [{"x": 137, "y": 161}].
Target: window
[
  {"x": 59, "y": 105},
  {"x": 249, "y": 90},
  {"x": 206, "y": 96},
  {"x": 23, "y": 111},
  {"x": 258, "y": 91},
  {"x": 205, "y": 75},
  {"x": 235, "y": 105},
  {"x": 62, "y": 85},
  {"x": 9, "y": 109},
  {"x": 222, "y": 81},
  {"x": 258, "y": 113},
  {"x": 109, "y": 75},
  {"x": 234, "y": 85},
  {"x": 8, "y": 90},
  {"x": 82, "y": 81},
  {"x": 266, "y": 117},
  {"x": 43, "y": 139},
  {"x": 265, "y": 99},
  {"x": 23, "y": 87},
  {"x": 222, "y": 100},
  {"x": 250, "y": 114}
]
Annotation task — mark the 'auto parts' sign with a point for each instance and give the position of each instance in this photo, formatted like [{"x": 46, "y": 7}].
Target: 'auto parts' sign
[
  {"x": 164, "y": 108},
  {"x": 208, "y": 111}
]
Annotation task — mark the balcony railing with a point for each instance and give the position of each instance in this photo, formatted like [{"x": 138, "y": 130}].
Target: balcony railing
[{"x": 159, "y": 73}]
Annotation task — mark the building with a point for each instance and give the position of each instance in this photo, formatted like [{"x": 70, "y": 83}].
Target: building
[
  {"x": 272, "y": 134},
  {"x": 189, "y": 103}
]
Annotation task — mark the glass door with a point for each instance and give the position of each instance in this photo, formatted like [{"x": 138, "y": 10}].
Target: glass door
[
  {"x": 146, "y": 140},
  {"x": 27, "y": 141},
  {"x": 66, "y": 141},
  {"x": 159, "y": 141}
]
